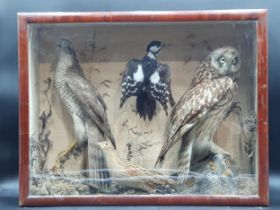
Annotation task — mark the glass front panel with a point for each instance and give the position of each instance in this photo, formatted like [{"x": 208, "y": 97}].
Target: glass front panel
[{"x": 143, "y": 108}]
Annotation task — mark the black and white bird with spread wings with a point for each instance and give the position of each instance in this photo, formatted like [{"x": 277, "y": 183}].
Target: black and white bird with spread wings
[{"x": 149, "y": 81}]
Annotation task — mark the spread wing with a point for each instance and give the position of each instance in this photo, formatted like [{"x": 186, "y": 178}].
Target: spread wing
[
  {"x": 132, "y": 79},
  {"x": 193, "y": 106},
  {"x": 159, "y": 86},
  {"x": 89, "y": 98}
]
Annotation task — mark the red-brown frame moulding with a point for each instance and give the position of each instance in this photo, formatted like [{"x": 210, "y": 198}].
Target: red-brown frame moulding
[{"x": 259, "y": 15}]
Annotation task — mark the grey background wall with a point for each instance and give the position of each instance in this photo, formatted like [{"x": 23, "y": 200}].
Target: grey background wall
[
  {"x": 9, "y": 64},
  {"x": 114, "y": 46}
]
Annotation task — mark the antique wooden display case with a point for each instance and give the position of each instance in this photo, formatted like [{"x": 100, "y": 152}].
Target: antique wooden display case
[{"x": 113, "y": 110}]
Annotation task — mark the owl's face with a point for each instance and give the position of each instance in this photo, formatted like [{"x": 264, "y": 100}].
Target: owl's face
[{"x": 225, "y": 60}]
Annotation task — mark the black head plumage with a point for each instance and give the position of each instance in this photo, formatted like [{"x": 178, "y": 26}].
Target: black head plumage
[{"x": 154, "y": 43}]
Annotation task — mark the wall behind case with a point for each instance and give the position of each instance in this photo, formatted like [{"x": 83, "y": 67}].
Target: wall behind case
[{"x": 9, "y": 64}]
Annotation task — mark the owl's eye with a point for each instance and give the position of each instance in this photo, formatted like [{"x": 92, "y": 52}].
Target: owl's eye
[
  {"x": 222, "y": 60},
  {"x": 234, "y": 61}
]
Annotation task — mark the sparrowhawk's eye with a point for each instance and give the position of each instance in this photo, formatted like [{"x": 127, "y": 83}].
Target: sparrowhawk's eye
[{"x": 222, "y": 60}]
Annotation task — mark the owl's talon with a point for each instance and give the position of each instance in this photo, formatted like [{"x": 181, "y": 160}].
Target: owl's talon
[{"x": 223, "y": 156}]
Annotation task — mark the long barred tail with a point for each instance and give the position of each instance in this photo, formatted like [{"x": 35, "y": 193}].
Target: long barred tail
[
  {"x": 184, "y": 161},
  {"x": 97, "y": 168},
  {"x": 145, "y": 106},
  {"x": 98, "y": 172}
]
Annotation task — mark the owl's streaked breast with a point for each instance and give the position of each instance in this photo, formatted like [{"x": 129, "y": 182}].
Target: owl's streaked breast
[{"x": 204, "y": 131}]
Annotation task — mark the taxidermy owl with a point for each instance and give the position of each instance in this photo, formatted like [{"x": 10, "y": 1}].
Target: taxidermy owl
[
  {"x": 149, "y": 81},
  {"x": 199, "y": 112}
]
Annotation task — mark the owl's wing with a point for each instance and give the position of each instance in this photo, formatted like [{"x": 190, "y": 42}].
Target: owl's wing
[
  {"x": 133, "y": 76},
  {"x": 191, "y": 108},
  {"x": 91, "y": 101},
  {"x": 159, "y": 86}
]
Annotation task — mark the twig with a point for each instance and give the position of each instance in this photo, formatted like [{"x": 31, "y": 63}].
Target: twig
[
  {"x": 190, "y": 36},
  {"x": 248, "y": 129},
  {"x": 105, "y": 95},
  {"x": 129, "y": 152},
  {"x": 91, "y": 45},
  {"x": 187, "y": 59},
  {"x": 43, "y": 145},
  {"x": 105, "y": 83}
]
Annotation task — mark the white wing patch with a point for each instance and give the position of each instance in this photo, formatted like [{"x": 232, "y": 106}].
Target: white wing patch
[
  {"x": 138, "y": 76},
  {"x": 154, "y": 78},
  {"x": 131, "y": 82},
  {"x": 160, "y": 86}
]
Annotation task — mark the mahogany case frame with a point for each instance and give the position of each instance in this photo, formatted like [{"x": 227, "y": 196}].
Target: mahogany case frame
[{"x": 181, "y": 16}]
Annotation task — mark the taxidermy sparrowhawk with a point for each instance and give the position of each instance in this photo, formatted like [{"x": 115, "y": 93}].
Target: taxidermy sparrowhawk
[{"x": 84, "y": 104}]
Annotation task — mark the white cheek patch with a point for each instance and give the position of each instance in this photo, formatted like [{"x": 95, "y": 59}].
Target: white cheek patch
[
  {"x": 138, "y": 76},
  {"x": 151, "y": 55},
  {"x": 154, "y": 49},
  {"x": 154, "y": 78}
]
